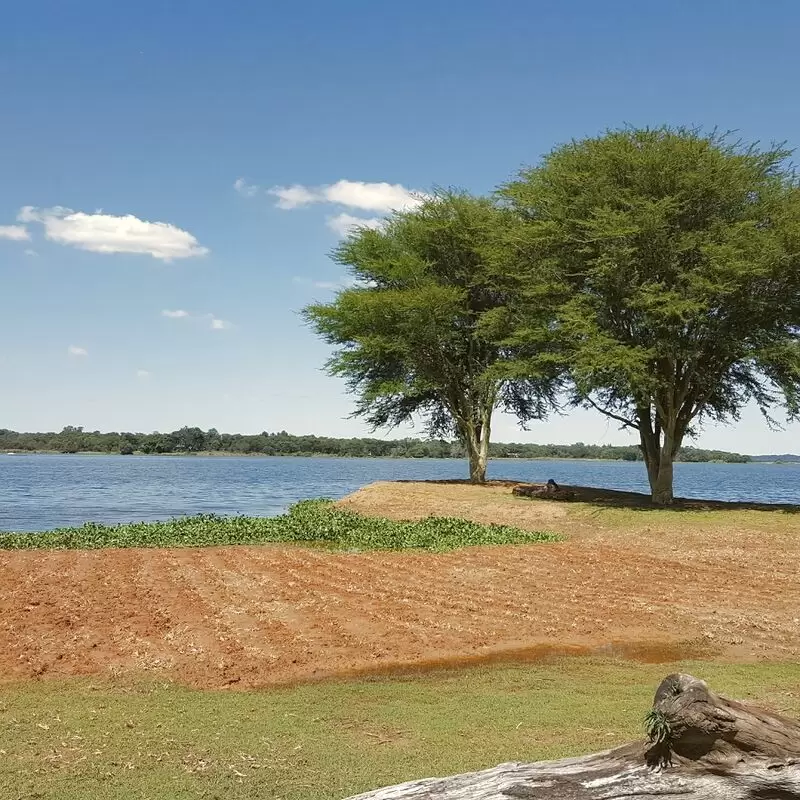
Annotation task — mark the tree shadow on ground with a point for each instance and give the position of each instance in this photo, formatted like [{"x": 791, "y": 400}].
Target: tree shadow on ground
[{"x": 613, "y": 498}]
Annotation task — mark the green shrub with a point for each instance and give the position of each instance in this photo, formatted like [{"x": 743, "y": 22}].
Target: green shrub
[
  {"x": 312, "y": 522},
  {"x": 658, "y": 728}
]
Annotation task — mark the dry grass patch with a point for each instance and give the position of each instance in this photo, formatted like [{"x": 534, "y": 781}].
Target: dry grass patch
[
  {"x": 606, "y": 515},
  {"x": 492, "y": 503}
]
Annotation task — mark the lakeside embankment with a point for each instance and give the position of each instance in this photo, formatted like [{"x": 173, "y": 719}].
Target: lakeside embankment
[{"x": 692, "y": 581}]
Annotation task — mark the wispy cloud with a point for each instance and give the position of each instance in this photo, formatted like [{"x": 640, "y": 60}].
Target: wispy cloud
[
  {"x": 295, "y": 196},
  {"x": 344, "y": 282},
  {"x": 106, "y": 233},
  {"x": 343, "y": 224},
  {"x": 376, "y": 197},
  {"x": 29, "y": 251},
  {"x": 214, "y": 322},
  {"x": 16, "y": 233},
  {"x": 77, "y": 352},
  {"x": 143, "y": 374},
  {"x": 244, "y": 188}
]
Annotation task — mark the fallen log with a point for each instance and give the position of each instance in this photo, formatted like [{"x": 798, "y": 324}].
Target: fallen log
[
  {"x": 700, "y": 746},
  {"x": 548, "y": 491}
]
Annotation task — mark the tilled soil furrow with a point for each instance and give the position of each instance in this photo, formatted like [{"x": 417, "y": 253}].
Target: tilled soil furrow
[{"x": 256, "y": 615}]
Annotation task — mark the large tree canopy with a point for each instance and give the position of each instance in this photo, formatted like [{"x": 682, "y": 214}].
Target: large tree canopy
[
  {"x": 417, "y": 333},
  {"x": 678, "y": 257}
]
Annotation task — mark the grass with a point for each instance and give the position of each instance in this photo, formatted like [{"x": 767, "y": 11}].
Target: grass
[
  {"x": 316, "y": 522},
  {"x": 322, "y": 741},
  {"x": 495, "y": 503},
  {"x": 778, "y": 521}
]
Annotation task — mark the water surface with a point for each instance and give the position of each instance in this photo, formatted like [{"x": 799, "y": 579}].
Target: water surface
[{"x": 40, "y": 492}]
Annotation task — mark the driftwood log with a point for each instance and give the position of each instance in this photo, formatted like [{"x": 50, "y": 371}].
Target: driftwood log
[
  {"x": 548, "y": 491},
  {"x": 701, "y": 747}
]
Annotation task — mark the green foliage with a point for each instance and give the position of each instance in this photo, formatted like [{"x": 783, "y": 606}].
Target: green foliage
[
  {"x": 313, "y": 522},
  {"x": 417, "y": 334},
  {"x": 285, "y": 444},
  {"x": 677, "y": 255},
  {"x": 657, "y": 727},
  {"x": 608, "y": 452}
]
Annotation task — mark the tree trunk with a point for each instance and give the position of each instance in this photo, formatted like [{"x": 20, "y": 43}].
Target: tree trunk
[
  {"x": 702, "y": 747},
  {"x": 476, "y": 436},
  {"x": 477, "y": 463},
  {"x": 661, "y": 488},
  {"x": 659, "y": 457},
  {"x": 483, "y": 448}
]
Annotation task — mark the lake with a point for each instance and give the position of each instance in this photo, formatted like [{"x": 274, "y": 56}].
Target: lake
[{"x": 40, "y": 492}]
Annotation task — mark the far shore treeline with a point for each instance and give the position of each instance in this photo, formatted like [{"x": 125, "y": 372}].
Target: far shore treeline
[{"x": 195, "y": 440}]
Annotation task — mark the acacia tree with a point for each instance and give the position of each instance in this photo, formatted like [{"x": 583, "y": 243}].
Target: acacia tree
[
  {"x": 416, "y": 333},
  {"x": 678, "y": 255}
]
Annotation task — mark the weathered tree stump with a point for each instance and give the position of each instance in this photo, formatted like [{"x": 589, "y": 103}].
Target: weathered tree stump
[{"x": 702, "y": 747}]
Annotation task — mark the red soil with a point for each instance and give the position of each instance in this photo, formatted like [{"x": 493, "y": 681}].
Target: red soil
[{"x": 252, "y": 616}]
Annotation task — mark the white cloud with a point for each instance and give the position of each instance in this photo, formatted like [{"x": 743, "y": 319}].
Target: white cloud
[
  {"x": 143, "y": 374},
  {"x": 372, "y": 196},
  {"x": 78, "y": 352},
  {"x": 219, "y": 324},
  {"x": 344, "y": 224},
  {"x": 30, "y": 252},
  {"x": 295, "y": 196},
  {"x": 244, "y": 188},
  {"x": 17, "y": 233},
  {"x": 377, "y": 197},
  {"x": 105, "y": 233},
  {"x": 177, "y": 314}
]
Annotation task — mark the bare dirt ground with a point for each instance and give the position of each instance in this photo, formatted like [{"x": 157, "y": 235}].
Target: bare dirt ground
[{"x": 653, "y": 584}]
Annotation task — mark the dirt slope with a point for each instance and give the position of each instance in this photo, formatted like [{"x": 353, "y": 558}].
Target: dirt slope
[{"x": 249, "y": 616}]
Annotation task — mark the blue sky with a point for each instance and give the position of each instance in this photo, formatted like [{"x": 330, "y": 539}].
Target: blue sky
[{"x": 119, "y": 116}]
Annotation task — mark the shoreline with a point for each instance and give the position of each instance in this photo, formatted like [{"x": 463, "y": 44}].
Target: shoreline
[{"x": 226, "y": 454}]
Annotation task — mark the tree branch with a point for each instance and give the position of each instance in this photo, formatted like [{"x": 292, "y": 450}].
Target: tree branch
[{"x": 612, "y": 415}]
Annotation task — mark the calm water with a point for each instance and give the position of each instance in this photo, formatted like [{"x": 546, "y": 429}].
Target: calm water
[{"x": 38, "y": 492}]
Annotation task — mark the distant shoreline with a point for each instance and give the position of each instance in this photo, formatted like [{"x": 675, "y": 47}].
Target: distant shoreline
[
  {"x": 226, "y": 454},
  {"x": 195, "y": 441}
]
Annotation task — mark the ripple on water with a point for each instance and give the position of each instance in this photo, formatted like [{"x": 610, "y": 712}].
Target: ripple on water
[{"x": 41, "y": 492}]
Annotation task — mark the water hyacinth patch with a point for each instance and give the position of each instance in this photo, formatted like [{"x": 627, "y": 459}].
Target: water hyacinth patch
[{"x": 310, "y": 522}]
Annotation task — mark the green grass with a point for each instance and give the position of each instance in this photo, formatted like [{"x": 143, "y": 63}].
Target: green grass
[
  {"x": 318, "y": 741},
  {"x": 778, "y": 520},
  {"x": 316, "y": 522}
]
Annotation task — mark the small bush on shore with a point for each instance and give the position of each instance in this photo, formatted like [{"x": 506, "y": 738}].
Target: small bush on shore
[{"x": 312, "y": 522}]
